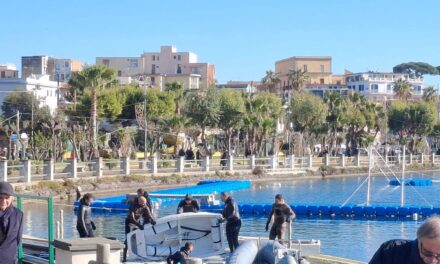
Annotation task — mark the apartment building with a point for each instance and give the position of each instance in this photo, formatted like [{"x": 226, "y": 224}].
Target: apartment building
[
  {"x": 168, "y": 63},
  {"x": 240, "y": 86},
  {"x": 58, "y": 69},
  {"x": 8, "y": 72},
  {"x": 380, "y": 85}
]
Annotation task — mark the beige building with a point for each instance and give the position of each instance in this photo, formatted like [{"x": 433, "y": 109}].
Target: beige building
[
  {"x": 168, "y": 63},
  {"x": 318, "y": 69},
  {"x": 8, "y": 72},
  {"x": 58, "y": 69}
]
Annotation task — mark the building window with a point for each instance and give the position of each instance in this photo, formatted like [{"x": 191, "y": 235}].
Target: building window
[
  {"x": 62, "y": 77},
  {"x": 195, "y": 70},
  {"x": 157, "y": 58},
  {"x": 374, "y": 87},
  {"x": 153, "y": 69},
  {"x": 133, "y": 63},
  {"x": 179, "y": 69},
  {"x": 174, "y": 56},
  {"x": 179, "y": 57},
  {"x": 153, "y": 80},
  {"x": 321, "y": 81},
  {"x": 3, "y": 74},
  {"x": 361, "y": 87},
  {"x": 305, "y": 67},
  {"x": 153, "y": 57},
  {"x": 389, "y": 88},
  {"x": 119, "y": 73},
  {"x": 66, "y": 64},
  {"x": 322, "y": 68}
]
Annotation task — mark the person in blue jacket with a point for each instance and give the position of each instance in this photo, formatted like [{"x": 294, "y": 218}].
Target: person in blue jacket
[{"x": 11, "y": 225}]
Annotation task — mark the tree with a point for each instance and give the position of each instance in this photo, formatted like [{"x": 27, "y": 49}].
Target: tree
[
  {"x": 297, "y": 79},
  {"x": 177, "y": 89},
  {"x": 23, "y": 102},
  {"x": 270, "y": 81},
  {"x": 430, "y": 95},
  {"x": 93, "y": 78},
  {"x": 133, "y": 95},
  {"x": 203, "y": 109},
  {"x": 402, "y": 89},
  {"x": 411, "y": 121},
  {"x": 307, "y": 112},
  {"x": 232, "y": 110},
  {"x": 334, "y": 118},
  {"x": 416, "y": 69}
]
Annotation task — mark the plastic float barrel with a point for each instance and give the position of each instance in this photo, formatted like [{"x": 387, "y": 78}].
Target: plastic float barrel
[
  {"x": 358, "y": 210},
  {"x": 369, "y": 210},
  {"x": 403, "y": 211},
  {"x": 324, "y": 210},
  {"x": 258, "y": 209},
  {"x": 247, "y": 209},
  {"x": 426, "y": 211},
  {"x": 312, "y": 210},
  {"x": 347, "y": 210},
  {"x": 336, "y": 210},
  {"x": 414, "y": 210},
  {"x": 267, "y": 208},
  {"x": 391, "y": 211},
  {"x": 301, "y": 209},
  {"x": 380, "y": 211}
]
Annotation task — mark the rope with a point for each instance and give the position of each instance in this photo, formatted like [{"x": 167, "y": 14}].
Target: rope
[{"x": 355, "y": 191}]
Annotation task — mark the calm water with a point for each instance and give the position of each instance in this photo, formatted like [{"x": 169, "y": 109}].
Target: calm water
[{"x": 351, "y": 238}]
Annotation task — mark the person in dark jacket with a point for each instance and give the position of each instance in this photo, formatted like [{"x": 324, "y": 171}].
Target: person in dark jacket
[
  {"x": 282, "y": 214},
  {"x": 188, "y": 205},
  {"x": 233, "y": 222},
  {"x": 138, "y": 216},
  {"x": 423, "y": 250},
  {"x": 182, "y": 255},
  {"x": 11, "y": 225},
  {"x": 84, "y": 223},
  {"x": 142, "y": 193}
]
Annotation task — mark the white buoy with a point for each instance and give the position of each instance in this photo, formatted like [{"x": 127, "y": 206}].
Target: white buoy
[{"x": 415, "y": 216}]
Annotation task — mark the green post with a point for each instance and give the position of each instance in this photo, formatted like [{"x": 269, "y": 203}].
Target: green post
[
  {"x": 50, "y": 234},
  {"x": 20, "y": 247}
]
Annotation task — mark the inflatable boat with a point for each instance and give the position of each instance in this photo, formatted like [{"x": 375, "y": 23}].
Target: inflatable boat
[{"x": 171, "y": 232}]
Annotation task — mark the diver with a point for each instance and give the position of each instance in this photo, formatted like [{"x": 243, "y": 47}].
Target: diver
[
  {"x": 282, "y": 214},
  {"x": 188, "y": 205},
  {"x": 182, "y": 255}
]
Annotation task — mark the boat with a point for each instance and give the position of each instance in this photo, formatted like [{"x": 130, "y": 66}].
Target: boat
[{"x": 170, "y": 233}]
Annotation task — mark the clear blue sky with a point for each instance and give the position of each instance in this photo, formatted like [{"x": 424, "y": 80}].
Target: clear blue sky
[{"x": 242, "y": 38}]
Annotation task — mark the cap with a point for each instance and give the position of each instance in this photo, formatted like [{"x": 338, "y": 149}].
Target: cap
[
  {"x": 6, "y": 188},
  {"x": 188, "y": 197}
]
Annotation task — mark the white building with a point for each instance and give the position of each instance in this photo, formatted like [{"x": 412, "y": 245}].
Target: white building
[
  {"x": 8, "y": 71},
  {"x": 239, "y": 86},
  {"x": 380, "y": 85},
  {"x": 45, "y": 91}
]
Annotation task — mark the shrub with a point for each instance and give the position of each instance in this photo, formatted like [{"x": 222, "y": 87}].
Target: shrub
[{"x": 258, "y": 170}]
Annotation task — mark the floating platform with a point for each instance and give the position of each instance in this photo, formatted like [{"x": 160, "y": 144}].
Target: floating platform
[
  {"x": 412, "y": 182},
  {"x": 204, "y": 188},
  {"x": 334, "y": 210}
]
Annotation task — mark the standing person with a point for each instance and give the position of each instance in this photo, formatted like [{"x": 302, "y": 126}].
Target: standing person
[
  {"x": 182, "y": 255},
  {"x": 84, "y": 223},
  {"x": 139, "y": 215},
  {"x": 11, "y": 225},
  {"x": 424, "y": 250},
  {"x": 233, "y": 222},
  {"x": 282, "y": 214},
  {"x": 142, "y": 193},
  {"x": 224, "y": 159},
  {"x": 188, "y": 205}
]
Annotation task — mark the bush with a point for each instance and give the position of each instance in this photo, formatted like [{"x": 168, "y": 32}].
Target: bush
[{"x": 258, "y": 170}]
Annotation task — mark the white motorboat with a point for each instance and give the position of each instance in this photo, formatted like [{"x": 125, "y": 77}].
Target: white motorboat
[{"x": 171, "y": 232}]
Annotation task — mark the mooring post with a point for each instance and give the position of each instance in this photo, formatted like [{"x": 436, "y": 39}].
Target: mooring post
[
  {"x": 26, "y": 170},
  {"x": 153, "y": 168},
  {"x": 206, "y": 163},
  {"x": 252, "y": 162},
  {"x": 125, "y": 166},
  {"x": 180, "y": 164},
  {"x": 49, "y": 169},
  {"x": 73, "y": 168},
  {"x": 358, "y": 159},
  {"x": 103, "y": 254},
  {"x": 231, "y": 163},
  {"x": 4, "y": 170},
  {"x": 422, "y": 158},
  {"x": 343, "y": 160},
  {"x": 310, "y": 163},
  {"x": 98, "y": 167},
  {"x": 292, "y": 161},
  {"x": 433, "y": 158}
]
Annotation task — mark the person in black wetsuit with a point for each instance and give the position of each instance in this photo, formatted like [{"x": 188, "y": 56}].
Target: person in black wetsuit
[
  {"x": 142, "y": 193},
  {"x": 84, "y": 223},
  {"x": 233, "y": 222},
  {"x": 139, "y": 215},
  {"x": 188, "y": 205},
  {"x": 182, "y": 255},
  {"x": 423, "y": 250},
  {"x": 282, "y": 214}
]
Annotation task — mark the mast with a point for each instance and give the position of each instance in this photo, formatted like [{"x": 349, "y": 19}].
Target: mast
[
  {"x": 402, "y": 181},
  {"x": 370, "y": 161}
]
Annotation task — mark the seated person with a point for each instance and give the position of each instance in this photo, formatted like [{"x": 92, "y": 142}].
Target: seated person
[{"x": 182, "y": 255}]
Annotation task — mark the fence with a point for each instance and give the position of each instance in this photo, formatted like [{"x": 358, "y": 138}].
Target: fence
[{"x": 28, "y": 171}]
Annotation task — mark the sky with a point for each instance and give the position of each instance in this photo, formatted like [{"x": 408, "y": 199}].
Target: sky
[{"x": 242, "y": 38}]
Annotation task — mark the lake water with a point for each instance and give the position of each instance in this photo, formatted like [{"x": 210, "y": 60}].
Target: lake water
[{"x": 350, "y": 238}]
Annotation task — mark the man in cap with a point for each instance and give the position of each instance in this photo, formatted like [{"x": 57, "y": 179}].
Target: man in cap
[
  {"x": 11, "y": 225},
  {"x": 188, "y": 205}
]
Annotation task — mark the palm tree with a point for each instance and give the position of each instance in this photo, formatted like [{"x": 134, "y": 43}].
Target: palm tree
[
  {"x": 177, "y": 89},
  {"x": 334, "y": 103},
  {"x": 93, "y": 78},
  {"x": 297, "y": 79},
  {"x": 402, "y": 89},
  {"x": 270, "y": 81},
  {"x": 430, "y": 94}
]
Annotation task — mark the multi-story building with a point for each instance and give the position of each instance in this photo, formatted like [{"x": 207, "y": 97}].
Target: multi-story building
[
  {"x": 239, "y": 86},
  {"x": 58, "y": 69},
  {"x": 45, "y": 90},
  {"x": 168, "y": 63},
  {"x": 8, "y": 72},
  {"x": 380, "y": 85}
]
